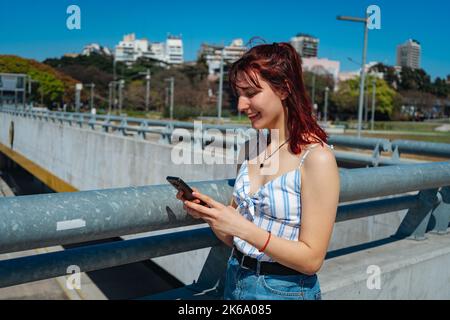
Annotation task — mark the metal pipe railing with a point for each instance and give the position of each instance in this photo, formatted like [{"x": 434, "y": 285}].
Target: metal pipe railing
[
  {"x": 35, "y": 221},
  {"x": 420, "y": 147},
  {"x": 166, "y": 130},
  {"x": 364, "y": 183},
  {"x": 100, "y": 256},
  {"x": 122, "y": 211}
]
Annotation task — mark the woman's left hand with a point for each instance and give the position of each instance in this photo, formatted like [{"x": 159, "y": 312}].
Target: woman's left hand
[{"x": 224, "y": 219}]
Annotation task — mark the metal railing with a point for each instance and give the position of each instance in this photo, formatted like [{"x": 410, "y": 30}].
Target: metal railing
[
  {"x": 30, "y": 222},
  {"x": 210, "y": 134}
]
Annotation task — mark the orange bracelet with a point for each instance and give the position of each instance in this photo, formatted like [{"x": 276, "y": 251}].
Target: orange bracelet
[{"x": 267, "y": 242}]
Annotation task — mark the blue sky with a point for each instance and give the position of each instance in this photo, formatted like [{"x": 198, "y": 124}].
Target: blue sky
[{"x": 37, "y": 29}]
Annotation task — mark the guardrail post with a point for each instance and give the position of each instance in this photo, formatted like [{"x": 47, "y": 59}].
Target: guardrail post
[
  {"x": 70, "y": 119},
  {"x": 142, "y": 130},
  {"x": 80, "y": 120},
  {"x": 122, "y": 127},
  {"x": 395, "y": 154},
  {"x": 92, "y": 122},
  {"x": 166, "y": 134},
  {"x": 441, "y": 214},
  {"x": 105, "y": 124},
  {"x": 415, "y": 223},
  {"x": 376, "y": 155}
]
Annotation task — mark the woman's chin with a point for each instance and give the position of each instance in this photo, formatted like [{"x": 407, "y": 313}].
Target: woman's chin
[{"x": 257, "y": 124}]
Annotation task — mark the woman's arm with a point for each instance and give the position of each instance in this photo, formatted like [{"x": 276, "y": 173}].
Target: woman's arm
[{"x": 320, "y": 197}]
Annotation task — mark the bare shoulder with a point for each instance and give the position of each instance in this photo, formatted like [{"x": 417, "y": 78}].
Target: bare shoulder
[
  {"x": 320, "y": 157},
  {"x": 320, "y": 176}
]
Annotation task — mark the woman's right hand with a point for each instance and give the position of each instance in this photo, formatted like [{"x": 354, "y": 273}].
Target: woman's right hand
[{"x": 188, "y": 210}]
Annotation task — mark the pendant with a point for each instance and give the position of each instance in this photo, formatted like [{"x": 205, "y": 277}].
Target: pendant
[{"x": 261, "y": 165}]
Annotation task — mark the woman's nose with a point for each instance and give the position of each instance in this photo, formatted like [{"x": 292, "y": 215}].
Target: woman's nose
[{"x": 243, "y": 104}]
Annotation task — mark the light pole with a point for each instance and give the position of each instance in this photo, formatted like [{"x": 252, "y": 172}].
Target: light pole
[
  {"x": 110, "y": 85},
  {"x": 219, "y": 98},
  {"x": 314, "y": 69},
  {"x": 30, "y": 82},
  {"x": 374, "y": 90},
  {"x": 91, "y": 101},
  {"x": 147, "y": 88},
  {"x": 78, "y": 88},
  {"x": 171, "y": 80},
  {"x": 326, "y": 104},
  {"x": 363, "y": 64},
  {"x": 313, "y": 93},
  {"x": 114, "y": 88},
  {"x": 121, "y": 85}
]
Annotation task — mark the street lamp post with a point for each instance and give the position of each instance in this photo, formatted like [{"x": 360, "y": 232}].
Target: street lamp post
[
  {"x": 326, "y": 105},
  {"x": 114, "y": 85},
  {"x": 313, "y": 93},
  {"x": 374, "y": 90},
  {"x": 363, "y": 64},
  {"x": 78, "y": 88},
  {"x": 110, "y": 97},
  {"x": 121, "y": 85},
  {"x": 91, "y": 101},
  {"x": 219, "y": 98},
  {"x": 171, "y": 80},
  {"x": 147, "y": 88}
]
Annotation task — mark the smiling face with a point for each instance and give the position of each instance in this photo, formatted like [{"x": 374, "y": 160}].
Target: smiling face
[{"x": 263, "y": 106}]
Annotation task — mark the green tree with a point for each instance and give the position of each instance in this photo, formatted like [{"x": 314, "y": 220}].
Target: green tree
[
  {"x": 52, "y": 86},
  {"x": 346, "y": 98}
]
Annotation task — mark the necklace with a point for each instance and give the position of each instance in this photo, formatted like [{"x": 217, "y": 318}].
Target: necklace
[{"x": 262, "y": 164}]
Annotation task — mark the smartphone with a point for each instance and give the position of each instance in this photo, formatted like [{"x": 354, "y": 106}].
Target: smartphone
[{"x": 180, "y": 185}]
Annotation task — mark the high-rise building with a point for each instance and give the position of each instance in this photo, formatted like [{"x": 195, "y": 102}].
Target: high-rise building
[
  {"x": 130, "y": 49},
  {"x": 174, "y": 50},
  {"x": 306, "y": 45},
  {"x": 408, "y": 54},
  {"x": 213, "y": 54}
]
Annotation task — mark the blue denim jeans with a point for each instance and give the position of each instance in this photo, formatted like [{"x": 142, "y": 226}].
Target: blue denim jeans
[{"x": 245, "y": 284}]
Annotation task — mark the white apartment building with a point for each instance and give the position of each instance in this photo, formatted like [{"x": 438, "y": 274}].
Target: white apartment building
[
  {"x": 174, "y": 50},
  {"x": 307, "y": 46},
  {"x": 95, "y": 48},
  {"x": 408, "y": 54},
  {"x": 213, "y": 54},
  {"x": 130, "y": 49},
  {"x": 322, "y": 66}
]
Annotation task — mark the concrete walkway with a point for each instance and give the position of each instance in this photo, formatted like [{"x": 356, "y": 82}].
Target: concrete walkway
[{"x": 407, "y": 269}]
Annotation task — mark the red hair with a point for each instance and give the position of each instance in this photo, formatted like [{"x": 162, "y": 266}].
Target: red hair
[{"x": 280, "y": 66}]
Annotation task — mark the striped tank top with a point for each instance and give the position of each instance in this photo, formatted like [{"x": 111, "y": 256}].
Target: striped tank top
[{"x": 275, "y": 206}]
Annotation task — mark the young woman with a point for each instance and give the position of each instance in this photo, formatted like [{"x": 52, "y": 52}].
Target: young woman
[{"x": 279, "y": 224}]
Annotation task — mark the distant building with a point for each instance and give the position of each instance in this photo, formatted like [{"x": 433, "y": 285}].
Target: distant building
[
  {"x": 130, "y": 49},
  {"x": 322, "y": 66},
  {"x": 95, "y": 48},
  {"x": 306, "y": 45},
  {"x": 71, "y": 55},
  {"x": 408, "y": 54},
  {"x": 213, "y": 53},
  {"x": 174, "y": 50},
  {"x": 13, "y": 87},
  {"x": 349, "y": 75}
]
